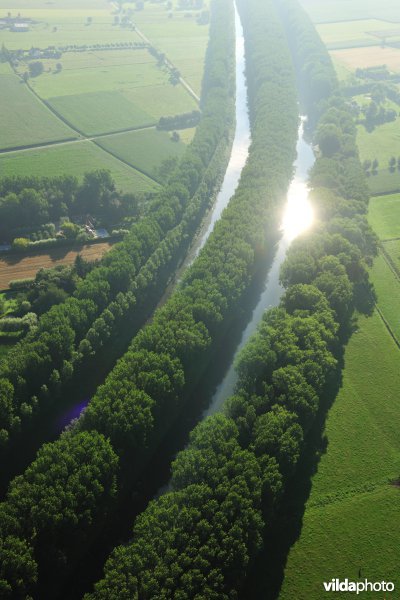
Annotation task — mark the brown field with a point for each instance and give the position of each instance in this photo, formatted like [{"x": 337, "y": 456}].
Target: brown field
[
  {"x": 373, "y": 56},
  {"x": 15, "y": 267}
]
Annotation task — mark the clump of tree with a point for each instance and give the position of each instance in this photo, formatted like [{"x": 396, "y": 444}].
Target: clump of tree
[
  {"x": 200, "y": 538},
  {"x": 88, "y": 330},
  {"x": 182, "y": 121},
  {"x": 144, "y": 392}
]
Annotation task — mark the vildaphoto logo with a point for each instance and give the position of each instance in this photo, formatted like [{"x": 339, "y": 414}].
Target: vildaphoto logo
[{"x": 336, "y": 585}]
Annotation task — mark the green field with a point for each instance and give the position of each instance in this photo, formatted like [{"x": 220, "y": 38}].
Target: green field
[
  {"x": 342, "y": 10},
  {"x": 387, "y": 287},
  {"x": 23, "y": 119},
  {"x": 382, "y": 143},
  {"x": 64, "y": 24},
  {"x": 392, "y": 249},
  {"x": 181, "y": 38},
  {"x": 353, "y": 32},
  {"x": 351, "y": 519},
  {"x": 100, "y": 112},
  {"x": 384, "y": 216},
  {"x": 73, "y": 159},
  {"x": 384, "y": 182},
  {"x": 145, "y": 150}
]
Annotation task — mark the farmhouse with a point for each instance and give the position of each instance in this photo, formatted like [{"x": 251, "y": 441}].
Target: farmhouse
[{"x": 20, "y": 27}]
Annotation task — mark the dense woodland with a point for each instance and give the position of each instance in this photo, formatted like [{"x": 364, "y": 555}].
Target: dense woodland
[
  {"x": 27, "y": 203},
  {"x": 145, "y": 391},
  {"x": 81, "y": 334},
  {"x": 199, "y": 540}
]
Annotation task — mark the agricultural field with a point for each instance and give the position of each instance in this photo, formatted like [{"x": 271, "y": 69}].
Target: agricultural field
[
  {"x": 15, "y": 267},
  {"x": 75, "y": 159},
  {"x": 24, "y": 119},
  {"x": 353, "y": 33},
  {"x": 384, "y": 182},
  {"x": 350, "y": 522},
  {"x": 354, "y": 58},
  {"x": 182, "y": 39},
  {"x": 382, "y": 143},
  {"x": 111, "y": 91},
  {"x": 64, "y": 23},
  {"x": 114, "y": 83},
  {"x": 342, "y": 10},
  {"x": 145, "y": 150},
  {"x": 384, "y": 216}
]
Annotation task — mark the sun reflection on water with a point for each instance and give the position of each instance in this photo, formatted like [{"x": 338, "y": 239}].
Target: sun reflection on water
[{"x": 298, "y": 216}]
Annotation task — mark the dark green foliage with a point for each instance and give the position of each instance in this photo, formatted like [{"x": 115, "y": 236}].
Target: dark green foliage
[
  {"x": 101, "y": 308},
  {"x": 283, "y": 372}
]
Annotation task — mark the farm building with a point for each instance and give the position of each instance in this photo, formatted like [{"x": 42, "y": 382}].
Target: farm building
[{"x": 20, "y": 27}]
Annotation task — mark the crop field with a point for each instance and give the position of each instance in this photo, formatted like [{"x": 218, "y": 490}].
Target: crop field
[
  {"x": 382, "y": 143},
  {"x": 65, "y": 24},
  {"x": 343, "y": 10},
  {"x": 384, "y": 182},
  {"x": 23, "y": 119},
  {"x": 392, "y": 249},
  {"x": 145, "y": 150},
  {"x": 182, "y": 39},
  {"x": 353, "y": 31},
  {"x": 353, "y": 58},
  {"x": 73, "y": 159},
  {"x": 384, "y": 216},
  {"x": 21, "y": 267},
  {"x": 350, "y": 527}
]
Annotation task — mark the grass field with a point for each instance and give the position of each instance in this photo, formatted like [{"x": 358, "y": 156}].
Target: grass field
[
  {"x": 19, "y": 268},
  {"x": 384, "y": 182},
  {"x": 382, "y": 143},
  {"x": 100, "y": 112},
  {"x": 384, "y": 216},
  {"x": 145, "y": 150},
  {"x": 351, "y": 520},
  {"x": 181, "y": 38},
  {"x": 354, "y": 58},
  {"x": 23, "y": 119},
  {"x": 73, "y": 159},
  {"x": 64, "y": 24},
  {"x": 334, "y": 10},
  {"x": 351, "y": 31},
  {"x": 392, "y": 248}
]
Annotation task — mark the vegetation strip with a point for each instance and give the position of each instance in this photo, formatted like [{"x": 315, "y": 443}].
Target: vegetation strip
[
  {"x": 143, "y": 394},
  {"x": 200, "y": 539},
  {"x": 75, "y": 337}
]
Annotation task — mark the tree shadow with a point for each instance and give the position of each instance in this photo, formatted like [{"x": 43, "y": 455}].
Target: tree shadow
[{"x": 266, "y": 575}]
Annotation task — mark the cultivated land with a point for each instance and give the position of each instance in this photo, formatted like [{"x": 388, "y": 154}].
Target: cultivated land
[
  {"x": 145, "y": 150},
  {"x": 180, "y": 37},
  {"x": 16, "y": 267},
  {"x": 349, "y": 33},
  {"x": 384, "y": 216},
  {"x": 354, "y": 58},
  {"x": 120, "y": 85},
  {"x": 24, "y": 119},
  {"x": 344, "y": 10},
  {"x": 381, "y": 143},
  {"x": 74, "y": 159}
]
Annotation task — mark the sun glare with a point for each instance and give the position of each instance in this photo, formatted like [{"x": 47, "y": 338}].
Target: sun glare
[{"x": 299, "y": 214}]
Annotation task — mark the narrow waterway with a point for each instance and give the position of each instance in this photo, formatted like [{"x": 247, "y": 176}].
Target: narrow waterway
[
  {"x": 238, "y": 157},
  {"x": 297, "y": 218}
]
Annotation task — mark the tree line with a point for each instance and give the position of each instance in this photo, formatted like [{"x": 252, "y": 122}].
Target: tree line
[
  {"x": 84, "y": 333},
  {"x": 142, "y": 395},
  {"x": 199, "y": 540}
]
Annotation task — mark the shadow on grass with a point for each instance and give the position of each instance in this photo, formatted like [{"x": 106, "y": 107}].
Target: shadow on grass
[{"x": 265, "y": 577}]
